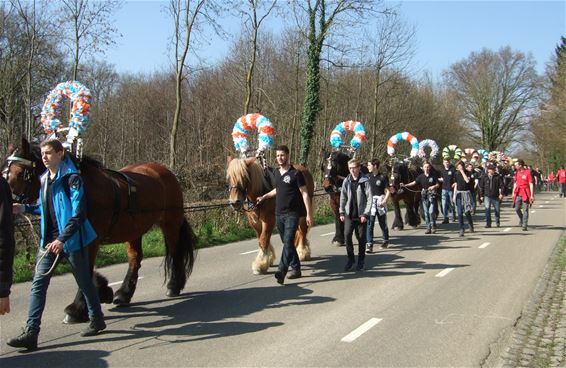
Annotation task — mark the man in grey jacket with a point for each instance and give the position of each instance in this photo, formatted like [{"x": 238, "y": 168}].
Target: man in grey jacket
[{"x": 355, "y": 207}]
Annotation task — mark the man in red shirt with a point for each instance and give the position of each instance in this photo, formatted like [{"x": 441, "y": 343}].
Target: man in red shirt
[
  {"x": 561, "y": 174},
  {"x": 523, "y": 193}
]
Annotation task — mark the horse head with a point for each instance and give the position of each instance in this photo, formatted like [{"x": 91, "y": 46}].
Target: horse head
[
  {"x": 21, "y": 169},
  {"x": 244, "y": 185},
  {"x": 335, "y": 168}
]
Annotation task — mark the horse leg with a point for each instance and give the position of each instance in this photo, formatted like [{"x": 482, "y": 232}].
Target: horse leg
[
  {"x": 398, "y": 220},
  {"x": 124, "y": 294},
  {"x": 77, "y": 311},
  {"x": 180, "y": 242},
  {"x": 266, "y": 254},
  {"x": 301, "y": 242}
]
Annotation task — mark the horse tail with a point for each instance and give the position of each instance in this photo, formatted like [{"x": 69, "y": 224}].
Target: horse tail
[{"x": 179, "y": 262}]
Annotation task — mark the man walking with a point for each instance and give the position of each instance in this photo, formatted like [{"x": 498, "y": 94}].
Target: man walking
[
  {"x": 523, "y": 193},
  {"x": 380, "y": 194},
  {"x": 491, "y": 192},
  {"x": 447, "y": 179},
  {"x": 292, "y": 202},
  {"x": 355, "y": 207}
]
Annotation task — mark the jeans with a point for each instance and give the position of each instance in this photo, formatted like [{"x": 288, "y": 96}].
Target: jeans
[
  {"x": 447, "y": 204},
  {"x": 522, "y": 209},
  {"x": 287, "y": 226},
  {"x": 562, "y": 189},
  {"x": 382, "y": 220},
  {"x": 489, "y": 201},
  {"x": 460, "y": 210},
  {"x": 81, "y": 271},
  {"x": 428, "y": 202},
  {"x": 360, "y": 228}
]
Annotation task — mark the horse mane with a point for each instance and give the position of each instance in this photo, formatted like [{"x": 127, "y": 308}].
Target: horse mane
[{"x": 250, "y": 177}]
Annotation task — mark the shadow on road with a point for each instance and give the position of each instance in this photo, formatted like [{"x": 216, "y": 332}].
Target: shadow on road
[{"x": 72, "y": 358}]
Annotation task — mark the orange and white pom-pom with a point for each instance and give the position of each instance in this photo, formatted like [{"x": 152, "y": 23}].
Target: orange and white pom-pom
[{"x": 404, "y": 136}]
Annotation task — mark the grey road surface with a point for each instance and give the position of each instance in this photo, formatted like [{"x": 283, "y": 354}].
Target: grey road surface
[{"x": 428, "y": 300}]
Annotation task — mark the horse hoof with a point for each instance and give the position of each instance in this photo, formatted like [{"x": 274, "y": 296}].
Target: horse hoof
[
  {"x": 70, "y": 320},
  {"x": 120, "y": 302},
  {"x": 173, "y": 293}
]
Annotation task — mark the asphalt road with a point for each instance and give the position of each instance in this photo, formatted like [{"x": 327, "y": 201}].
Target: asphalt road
[{"x": 428, "y": 300}]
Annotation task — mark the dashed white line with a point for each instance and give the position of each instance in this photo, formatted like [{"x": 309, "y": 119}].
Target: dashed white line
[
  {"x": 484, "y": 245},
  {"x": 545, "y": 202},
  {"x": 533, "y": 211},
  {"x": 445, "y": 272},
  {"x": 541, "y": 206},
  {"x": 507, "y": 229},
  {"x": 327, "y": 234},
  {"x": 119, "y": 282},
  {"x": 361, "y": 330},
  {"x": 250, "y": 252}
]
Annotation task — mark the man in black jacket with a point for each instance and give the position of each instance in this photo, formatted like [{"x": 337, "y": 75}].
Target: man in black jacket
[
  {"x": 491, "y": 192},
  {"x": 7, "y": 245}
]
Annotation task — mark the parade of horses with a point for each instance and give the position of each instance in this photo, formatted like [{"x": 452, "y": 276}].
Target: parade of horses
[{"x": 315, "y": 195}]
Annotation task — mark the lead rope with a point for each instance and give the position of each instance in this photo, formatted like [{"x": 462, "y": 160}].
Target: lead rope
[{"x": 44, "y": 253}]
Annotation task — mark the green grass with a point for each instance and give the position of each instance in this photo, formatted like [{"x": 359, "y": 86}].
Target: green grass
[{"x": 213, "y": 228}]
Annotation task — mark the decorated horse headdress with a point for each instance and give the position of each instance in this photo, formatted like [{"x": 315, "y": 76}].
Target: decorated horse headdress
[
  {"x": 81, "y": 103},
  {"x": 341, "y": 129}
]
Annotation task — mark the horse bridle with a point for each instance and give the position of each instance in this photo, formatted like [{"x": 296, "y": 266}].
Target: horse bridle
[
  {"x": 28, "y": 174},
  {"x": 250, "y": 205}
]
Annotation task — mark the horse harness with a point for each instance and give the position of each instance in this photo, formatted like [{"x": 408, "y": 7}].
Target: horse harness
[
  {"x": 28, "y": 174},
  {"x": 132, "y": 207}
]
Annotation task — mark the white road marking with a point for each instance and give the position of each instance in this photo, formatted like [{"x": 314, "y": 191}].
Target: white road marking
[
  {"x": 361, "y": 330},
  {"x": 445, "y": 272},
  {"x": 507, "y": 229},
  {"x": 484, "y": 245},
  {"x": 545, "y": 202},
  {"x": 541, "y": 206},
  {"x": 533, "y": 211},
  {"x": 327, "y": 234},
  {"x": 119, "y": 282},
  {"x": 250, "y": 252}
]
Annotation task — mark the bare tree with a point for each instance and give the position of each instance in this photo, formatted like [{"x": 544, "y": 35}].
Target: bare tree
[
  {"x": 497, "y": 91},
  {"x": 254, "y": 21},
  {"x": 89, "y": 27},
  {"x": 393, "y": 48}
]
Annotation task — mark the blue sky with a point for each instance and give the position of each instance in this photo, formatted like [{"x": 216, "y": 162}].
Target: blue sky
[{"x": 446, "y": 32}]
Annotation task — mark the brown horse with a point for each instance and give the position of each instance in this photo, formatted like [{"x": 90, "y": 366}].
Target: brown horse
[
  {"x": 335, "y": 169},
  {"x": 123, "y": 205},
  {"x": 247, "y": 182},
  {"x": 401, "y": 173}
]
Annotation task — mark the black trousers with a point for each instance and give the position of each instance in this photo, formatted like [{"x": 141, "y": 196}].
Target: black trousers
[{"x": 351, "y": 226}]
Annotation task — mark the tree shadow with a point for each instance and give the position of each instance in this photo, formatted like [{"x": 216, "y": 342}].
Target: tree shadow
[{"x": 74, "y": 358}]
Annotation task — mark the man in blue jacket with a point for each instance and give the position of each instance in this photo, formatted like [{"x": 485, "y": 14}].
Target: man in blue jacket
[{"x": 65, "y": 232}]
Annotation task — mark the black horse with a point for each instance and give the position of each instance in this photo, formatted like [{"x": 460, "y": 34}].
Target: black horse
[
  {"x": 402, "y": 173},
  {"x": 335, "y": 169}
]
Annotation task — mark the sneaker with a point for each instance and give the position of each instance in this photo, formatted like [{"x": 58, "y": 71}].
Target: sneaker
[
  {"x": 384, "y": 245},
  {"x": 427, "y": 231},
  {"x": 461, "y": 234},
  {"x": 280, "y": 277},
  {"x": 472, "y": 228},
  {"x": 349, "y": 265},
  {"x": 294, "y": 274},
  {"x": 433, "y": 230},
  {"x": 28, "y": 340},
  {"x": 488, "y": 226},
  {"x": 369, "y": 248},
  {"x": 497, "y": 225},
  {"x": 360, "y": 266},
  {"x": 524, "y": 228},
  {"x": 445, "y": 221},
  {"x": 95, "y": 326}
]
